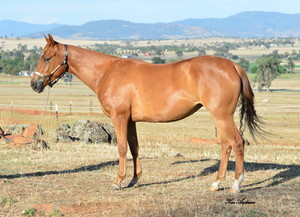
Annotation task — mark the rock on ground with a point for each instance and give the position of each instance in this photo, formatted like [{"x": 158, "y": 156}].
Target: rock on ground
[
  {"x": 20, "y": 135},
  {"x": 86, "y": 131},
  {"x": 27, "y": 130}
]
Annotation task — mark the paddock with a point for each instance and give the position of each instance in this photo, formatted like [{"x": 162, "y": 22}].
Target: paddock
[{"x": 75, "y": 178}]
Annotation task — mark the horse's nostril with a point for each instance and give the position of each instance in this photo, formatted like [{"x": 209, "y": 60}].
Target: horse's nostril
[
  {"x": 37, "y": 85},
  {"x": 33, "y": 84}
]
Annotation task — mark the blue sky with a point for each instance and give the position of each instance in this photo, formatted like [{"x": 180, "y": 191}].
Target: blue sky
[{"x": 77, "y": 12}]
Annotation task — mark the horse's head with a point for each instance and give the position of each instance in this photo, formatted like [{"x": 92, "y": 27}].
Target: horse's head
[{"x": 51, "y": 66}]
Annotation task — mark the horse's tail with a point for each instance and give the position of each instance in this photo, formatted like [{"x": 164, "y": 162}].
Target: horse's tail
[{"x": 248, "y": 113}]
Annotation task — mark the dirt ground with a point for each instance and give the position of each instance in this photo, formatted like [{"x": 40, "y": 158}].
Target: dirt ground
[
  {"x": 75, "y": 179},
  {"x": 78, "y": 184}
]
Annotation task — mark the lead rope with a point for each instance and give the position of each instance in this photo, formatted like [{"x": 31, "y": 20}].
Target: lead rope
[
  {"x": 43, "y": 118},
  {"x": 37, "y": 139}
]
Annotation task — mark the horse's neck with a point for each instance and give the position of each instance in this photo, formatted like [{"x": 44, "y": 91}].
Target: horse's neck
[{"x": 88, "y": 66}]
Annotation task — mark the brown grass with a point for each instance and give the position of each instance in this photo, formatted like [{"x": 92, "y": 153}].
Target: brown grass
[{"x": 74, "y": 179}]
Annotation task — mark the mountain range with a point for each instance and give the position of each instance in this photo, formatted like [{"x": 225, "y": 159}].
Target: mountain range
[{"x": 244, "y": 25}]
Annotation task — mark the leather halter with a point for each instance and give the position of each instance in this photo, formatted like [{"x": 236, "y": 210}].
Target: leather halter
[{"x": 63, "y": 63}]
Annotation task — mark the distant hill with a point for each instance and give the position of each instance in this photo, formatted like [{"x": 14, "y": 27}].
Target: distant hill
[
  {"x": 119, "y": 29},
  {"x": 251, "y": 24},
  {"x": 10, "y": 28},
  {"x": 244, "y": 25}
]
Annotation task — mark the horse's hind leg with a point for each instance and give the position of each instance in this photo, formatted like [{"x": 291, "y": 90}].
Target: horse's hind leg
[
  {"x": 226, "y": 149},
  {"x": 238, "y": 148},
  {"x": 134, "y": 148},
  {"x": 229, "y": 138}
]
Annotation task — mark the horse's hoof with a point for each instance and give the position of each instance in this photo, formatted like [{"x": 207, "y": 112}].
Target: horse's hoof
[
  {"x": 214, "y": 187},
  {"x": 136, "y": 185},
  {"x": 133, "y": 184},
  {"x": 234, "y": 191},
  {"x": 115, "y": 187}
]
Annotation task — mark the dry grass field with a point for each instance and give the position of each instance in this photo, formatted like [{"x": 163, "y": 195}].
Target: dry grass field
[
  {"x": 74, "y": 179},
  {"x": 255, "y": 51}
]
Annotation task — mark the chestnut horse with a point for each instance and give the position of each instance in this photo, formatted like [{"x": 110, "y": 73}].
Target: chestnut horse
[{"x": 131, "y": 90}]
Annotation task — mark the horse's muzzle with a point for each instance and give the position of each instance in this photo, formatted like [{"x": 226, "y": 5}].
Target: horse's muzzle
[{"x": 37, "y": 84}]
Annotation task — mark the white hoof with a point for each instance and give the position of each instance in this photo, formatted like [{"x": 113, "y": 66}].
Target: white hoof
[
  {"x": 234, "y": 191},
  {"x": 215, "y": 186},
  {"x": 115, "y": 187},
  {"x": 236, "y": 185}
]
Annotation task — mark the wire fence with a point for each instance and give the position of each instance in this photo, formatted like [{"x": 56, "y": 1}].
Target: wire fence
[
  {"x": 53, "y": 108},
  {"x": 79, "y": 109}
]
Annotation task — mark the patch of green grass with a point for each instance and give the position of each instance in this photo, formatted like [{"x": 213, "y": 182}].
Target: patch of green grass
[
  {"x": 6, "y": 201},
  {"x": 55, "y": 213},
  {"x": 30, "y": 212},
  {"x": 295, "y": 76}
]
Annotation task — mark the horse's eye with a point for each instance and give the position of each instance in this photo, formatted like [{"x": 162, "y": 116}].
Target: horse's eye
[{"x": 46, "y": 60}]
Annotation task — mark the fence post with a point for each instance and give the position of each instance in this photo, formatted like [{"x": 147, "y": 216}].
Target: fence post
[
  {"x": 11, "y": 107},
  {"x": 50, "y": 107},
  {"x": 91, "y": 106},
  {"x": 56, "y": 110},
  {"x": 70, "y": 108}
]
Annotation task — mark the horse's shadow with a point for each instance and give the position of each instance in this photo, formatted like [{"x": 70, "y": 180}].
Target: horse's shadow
[
  {"x": 57, "y": 172},
  {"x": 289, "y": 172},
  {"x": 286, "y": 172}
]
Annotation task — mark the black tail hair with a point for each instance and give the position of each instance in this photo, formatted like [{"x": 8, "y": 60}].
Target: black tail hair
[{"x": 248, "y": 113}]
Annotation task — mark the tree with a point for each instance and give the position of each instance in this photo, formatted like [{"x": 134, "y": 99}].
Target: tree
[
  {"x": 268, "y": 68},
  {"x": 179, "y": 53},
  {"x": 158, "y": 60},
  {"x": 201, "y": 52},
  {"x": 275, "y": 53},
  {"x": 253, "y": 67},
  {"x": 245, "y": 64},
  {"x": 159, "y": 52},
  {"x": 235, "y": 57},
  {"x": 290, "y": 66},
  {"x": 12, "y": 62}
]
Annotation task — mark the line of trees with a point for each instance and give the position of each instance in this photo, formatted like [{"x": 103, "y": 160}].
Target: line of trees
[
  {"x": 21, "y": 59},
  {"x": 266, "y": 68}
]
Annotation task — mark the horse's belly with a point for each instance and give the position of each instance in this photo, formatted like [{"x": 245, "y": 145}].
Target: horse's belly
[{"x": 165, "y": 112}]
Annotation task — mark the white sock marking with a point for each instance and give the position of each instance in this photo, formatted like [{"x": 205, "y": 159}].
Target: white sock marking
[{"x": 237, "y": 183}]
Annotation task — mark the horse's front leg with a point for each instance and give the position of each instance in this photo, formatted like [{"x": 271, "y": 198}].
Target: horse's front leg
[
  {"x": 134, "y": 148},
  {"x": 120, "y": 123}
]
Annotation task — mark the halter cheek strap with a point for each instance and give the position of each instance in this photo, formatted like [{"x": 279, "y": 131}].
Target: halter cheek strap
[{"x": 48, "y": 77}]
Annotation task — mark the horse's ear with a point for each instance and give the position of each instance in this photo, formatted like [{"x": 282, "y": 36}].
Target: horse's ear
[
  {"x": 50, "y": 40},
  {"x": 47, "y": 40}
]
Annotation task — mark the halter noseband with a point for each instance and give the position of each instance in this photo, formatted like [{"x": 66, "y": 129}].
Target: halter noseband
[{"x": 63, "y": 63}]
